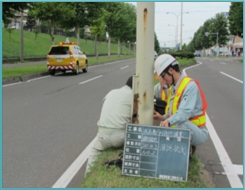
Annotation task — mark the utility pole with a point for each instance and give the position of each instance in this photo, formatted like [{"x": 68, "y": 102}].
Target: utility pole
[
  {"x": 142, "y": 112},
  {"x": 181, "y": 18},
  {"x": 177, "y": 16}
]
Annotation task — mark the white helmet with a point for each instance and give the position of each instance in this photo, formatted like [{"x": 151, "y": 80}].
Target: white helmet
[{"x": 163, "y": 61}]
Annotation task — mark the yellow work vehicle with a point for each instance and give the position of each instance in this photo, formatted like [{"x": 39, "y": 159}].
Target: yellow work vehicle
[{"x": 66, "y": 56}]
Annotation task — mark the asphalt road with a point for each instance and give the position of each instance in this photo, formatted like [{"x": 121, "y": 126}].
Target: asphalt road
[
  {"x": 48, "y": 122},
  {"x": 222, "y": 82}
]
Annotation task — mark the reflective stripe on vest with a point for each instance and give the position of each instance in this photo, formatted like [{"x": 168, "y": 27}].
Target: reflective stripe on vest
[
  {"x": 163, "y": 96},
  {"x": 200, "y": 120},
  {"x": 169, "y": 97}
]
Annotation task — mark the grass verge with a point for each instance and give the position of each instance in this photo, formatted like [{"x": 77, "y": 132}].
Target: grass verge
[
  {"x": 38, "y": 46},
  {"x": 25, "y": 70},
  {"x": 102, "y": 176}
]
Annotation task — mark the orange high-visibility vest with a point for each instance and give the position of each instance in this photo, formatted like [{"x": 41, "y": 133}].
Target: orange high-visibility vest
[{"x": 199, "y": 120}]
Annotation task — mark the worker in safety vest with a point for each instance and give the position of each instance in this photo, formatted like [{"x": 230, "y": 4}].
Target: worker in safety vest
[
  {"x": 115, "y": 115},
  {"x": 186, "y": 105}
]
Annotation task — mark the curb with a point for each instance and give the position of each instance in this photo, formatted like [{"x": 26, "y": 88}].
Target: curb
[{"x": 24, "y": 78}]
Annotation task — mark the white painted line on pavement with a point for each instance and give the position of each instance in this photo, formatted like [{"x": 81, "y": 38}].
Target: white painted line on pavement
[
  {"x": 232, "y": 77},
  {"x": 225, "y": 160},
  {"x": 37, "y": 78},
  {"x": 112, "y": 63},
  {"x": 124, "y": 67},
  {"x": 68, "y": 175},
  {"x": 222, "y": 63},
  {"x": 6, "y": 85},
  {"x": 239, "y": 169},
  {"x": 99, "y": 65},
  {"x": 90, "y": 79}
]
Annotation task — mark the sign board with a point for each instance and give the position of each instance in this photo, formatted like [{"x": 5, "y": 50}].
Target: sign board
[{"x": 156, "y": 152}]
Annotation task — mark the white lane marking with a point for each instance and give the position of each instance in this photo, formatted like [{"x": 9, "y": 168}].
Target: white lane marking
[
  {"x": 124, "y": 67},
  {"x": 211, "y": 60},
  {"x": 105, "y": 64},
  {"x": 37, "y": 78},
  {"x": 11, "y": 84},
  {"x": 225, "y": 160},
  {"x": 222, "y": 63},
  {"x": 90, "y": 79},
  {"x": 68, "y": 175},
  {"x": 112, "y": 63},
  {"x": 238, "y": 169},
  {"x": 232, "y": 77}
]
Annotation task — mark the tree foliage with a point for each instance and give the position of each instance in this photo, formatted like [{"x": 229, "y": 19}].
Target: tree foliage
[
  {"x": 117, "y": 18},
  {"x": 218, "y": 24},
  {"x": 236, "y": 18},
  {"x": 157, "y": 45},
  {"x": 81, "y": 14},
  {"x": 52, "y": 12},
  {"x": 10, "y": 8},
  {"x": 30, "y": 22}
]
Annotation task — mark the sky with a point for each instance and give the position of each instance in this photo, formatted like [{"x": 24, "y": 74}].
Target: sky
[{"x": 194, "y": 16}]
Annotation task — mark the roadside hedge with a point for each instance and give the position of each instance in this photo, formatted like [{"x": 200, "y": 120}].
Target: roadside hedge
[{"x": 181, "y": 55}]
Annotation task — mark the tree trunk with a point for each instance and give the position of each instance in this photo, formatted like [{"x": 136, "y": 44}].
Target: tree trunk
[
  {"x": 95, "y": 50},
  {"x": 21, "y": 38},
  {"x": 129, "y": 47},
  {"x": 78, "y": 34},
  {"x": 125, "y": 45},
  {"x": 109, "y": 46},
  {"x": 52, "y": 32},
  {"x": 118, "y": 48},
  {"x": 96, "y": 47}
]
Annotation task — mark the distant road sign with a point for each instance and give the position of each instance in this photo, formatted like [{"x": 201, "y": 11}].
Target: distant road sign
[{"x": 156, "y": 152}]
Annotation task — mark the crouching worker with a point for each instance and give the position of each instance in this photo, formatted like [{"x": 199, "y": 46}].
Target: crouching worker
[
  {"x": 115, "y": 114},
  {"x": 186, "y": 104}
]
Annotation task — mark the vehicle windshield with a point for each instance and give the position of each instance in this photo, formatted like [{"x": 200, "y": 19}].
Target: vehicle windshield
[{"x": 60, "y": 50}]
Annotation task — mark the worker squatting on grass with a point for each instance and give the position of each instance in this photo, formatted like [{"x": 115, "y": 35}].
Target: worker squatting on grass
[{"x": 115, "y": 114}]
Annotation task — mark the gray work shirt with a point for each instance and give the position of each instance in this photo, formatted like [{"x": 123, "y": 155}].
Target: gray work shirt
[
  {"x": 116, "y": 109},
  {"x": 158, "y": 91},
  {"x": 190, "y": 104}
]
